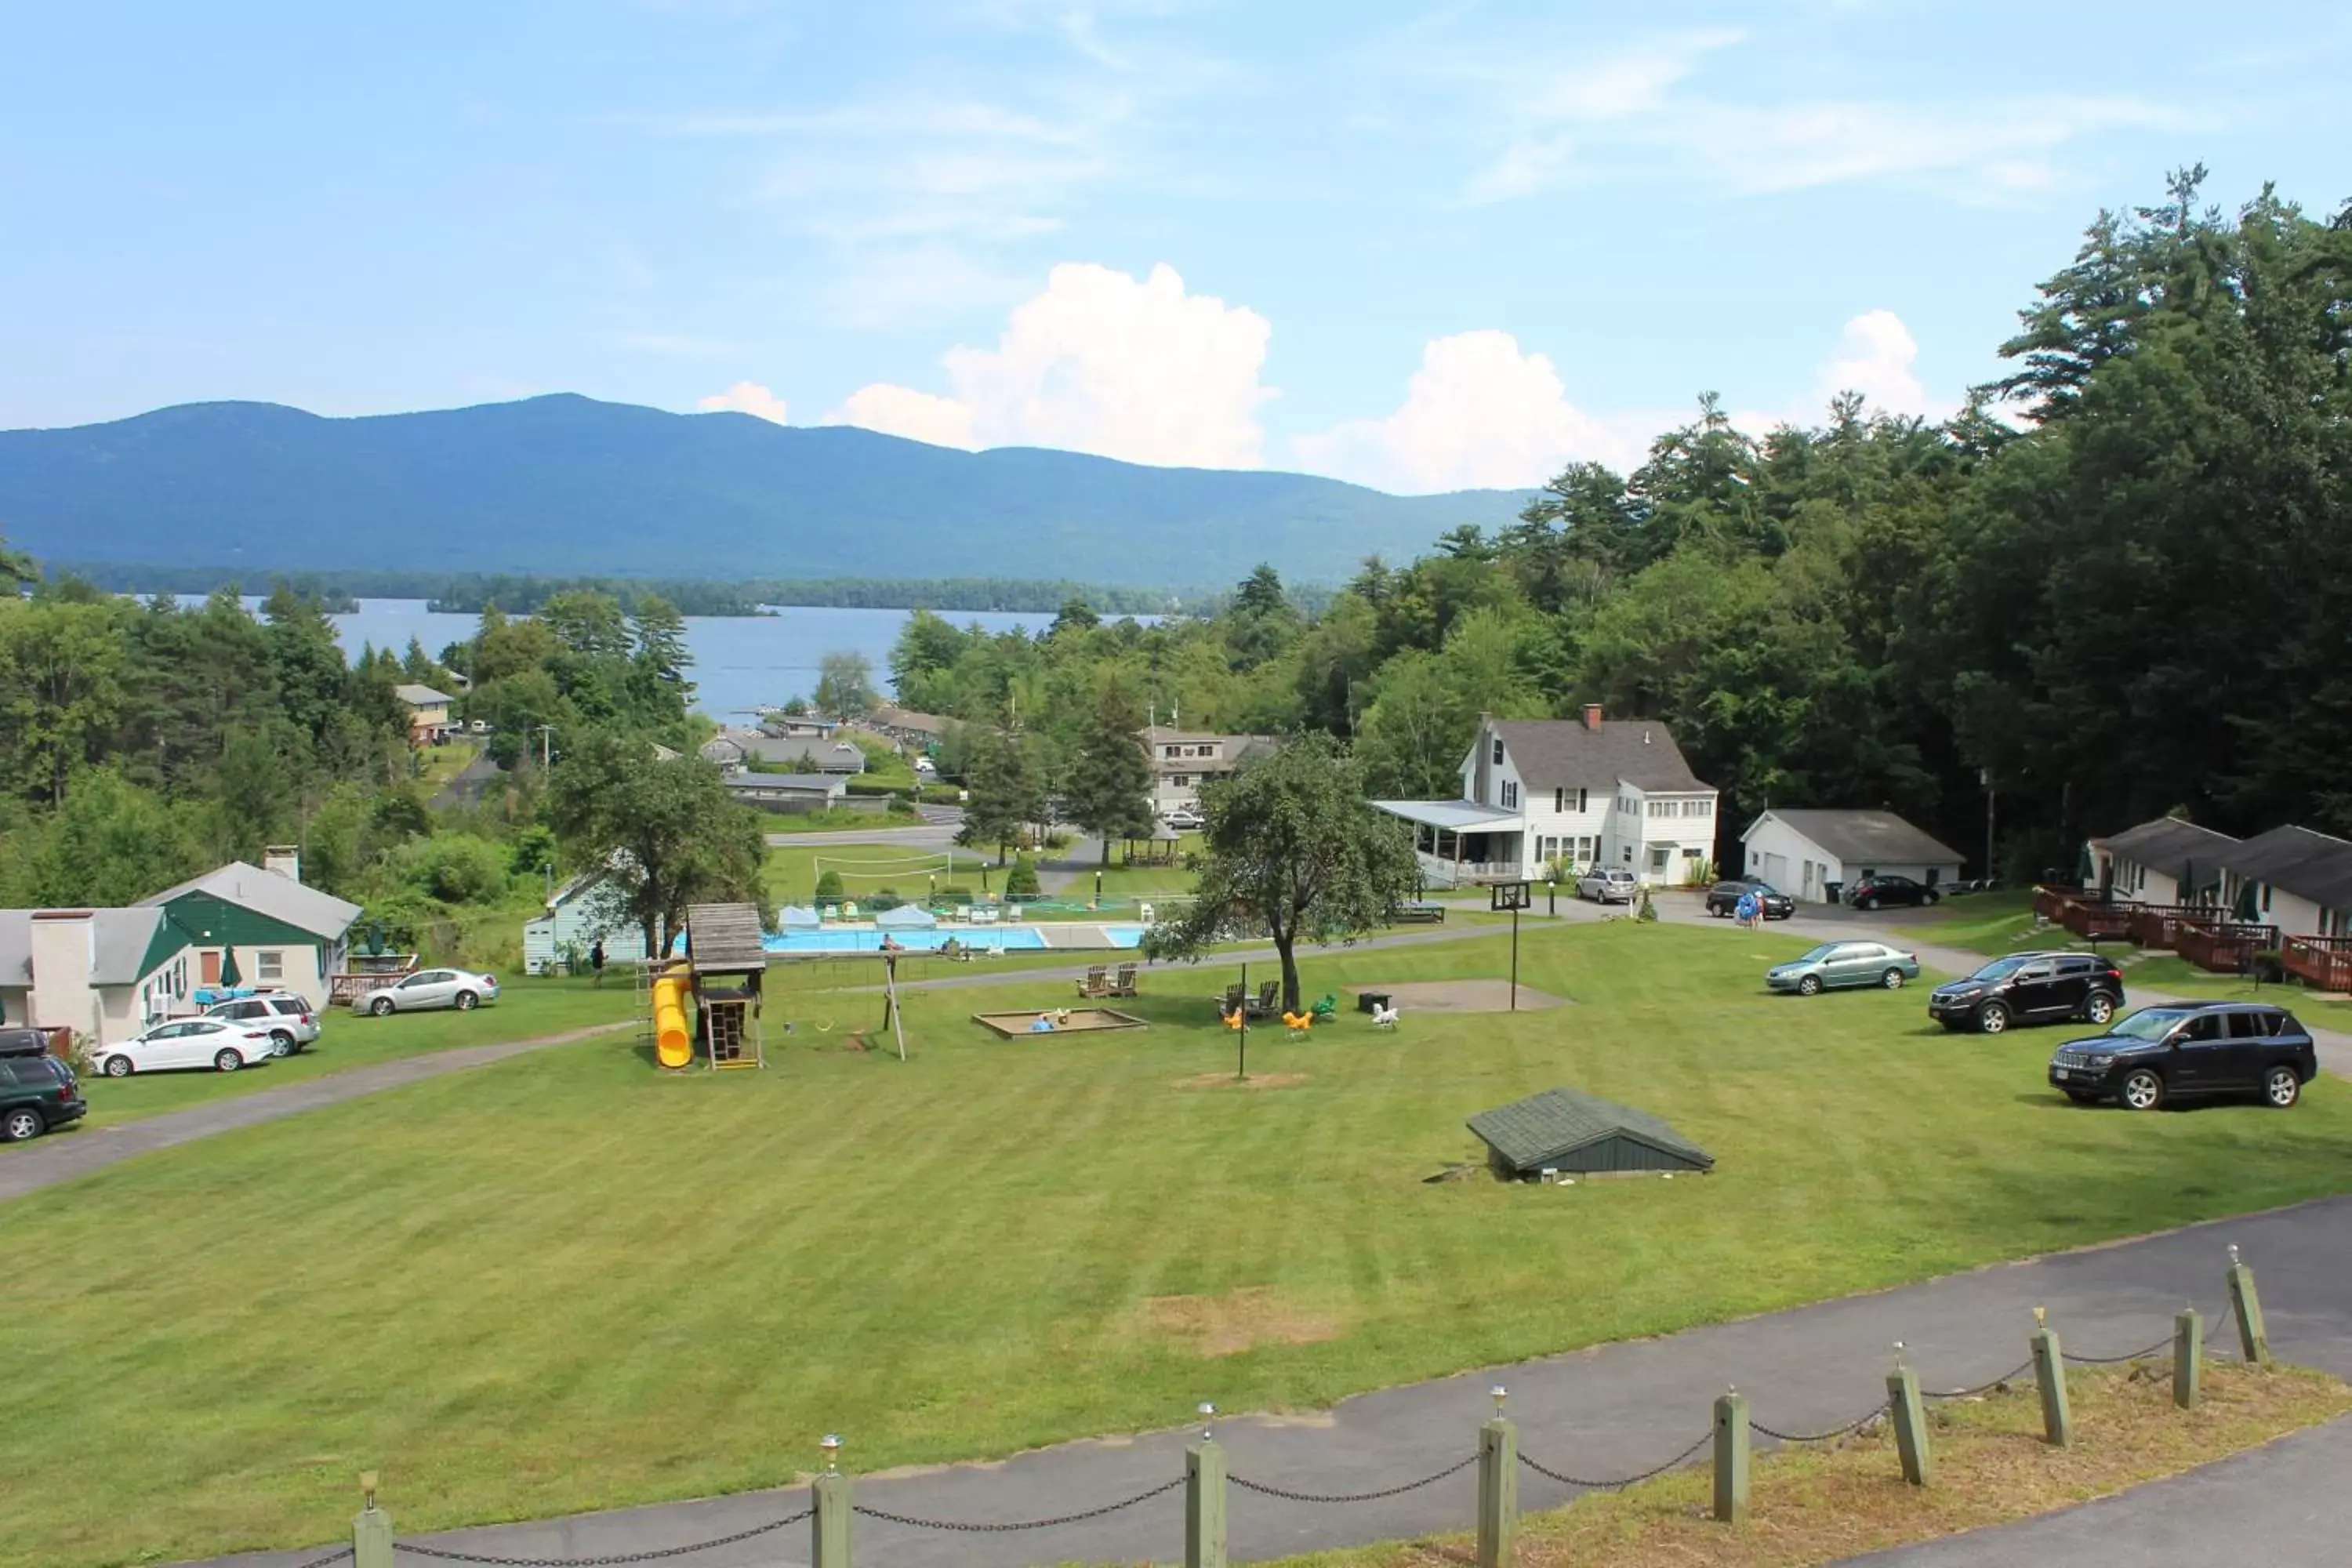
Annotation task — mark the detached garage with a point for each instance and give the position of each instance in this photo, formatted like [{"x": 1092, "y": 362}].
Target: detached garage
[
  {"x": 1568, "y": 1131},
  {"x": 1805, "y": 853}
]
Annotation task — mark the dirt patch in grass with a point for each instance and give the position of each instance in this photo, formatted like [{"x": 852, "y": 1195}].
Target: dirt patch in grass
[
  {"x": 1237, "y": 1321},
  {"x": 1254, "y": 1080},
  {"x": 1828, "y": 1503},
  {"x": 1462, "y": 996}
]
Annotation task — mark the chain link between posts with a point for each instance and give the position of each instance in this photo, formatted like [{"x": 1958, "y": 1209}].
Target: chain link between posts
[
  {"x": 1650, "y": 1474},
  {"x": 962, "y": 1527},
  {"x": 610, "y": 1560},
  {"x": 1287, "y": 1496}
]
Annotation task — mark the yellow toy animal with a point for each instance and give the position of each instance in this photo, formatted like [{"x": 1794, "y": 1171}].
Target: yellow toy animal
[{"x": 1298, "y": 1023}]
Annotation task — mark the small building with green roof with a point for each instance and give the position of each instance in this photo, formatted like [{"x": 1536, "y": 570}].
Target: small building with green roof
[{"x": 1573, "y": 1132}]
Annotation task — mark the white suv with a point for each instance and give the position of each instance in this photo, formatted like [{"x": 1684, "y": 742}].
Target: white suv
[
  {"x": 285, "y": 1018},
  {"x": 1612, "y": 885}
]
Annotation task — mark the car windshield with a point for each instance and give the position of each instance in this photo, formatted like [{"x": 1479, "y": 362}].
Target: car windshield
[
  {"x": 1999, "y": 967},
  {"x": 2149, "y": 1023},
  {"x": 1762, "y": 887},
  {"x": 1819, "y": 953}
]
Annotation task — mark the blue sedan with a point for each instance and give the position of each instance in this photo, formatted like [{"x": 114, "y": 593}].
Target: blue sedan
[{"x": 1836, "y": 963}]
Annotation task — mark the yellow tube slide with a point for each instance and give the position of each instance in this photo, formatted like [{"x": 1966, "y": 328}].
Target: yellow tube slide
[{"x": 673, "y": 1042}]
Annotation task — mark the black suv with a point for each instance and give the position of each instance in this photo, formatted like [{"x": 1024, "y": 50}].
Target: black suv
[
  {"x": 2030, "y": 988},
  {"x": 1887, "y": 890},
  {"x": 1723, "y": 899},
  {"x": 2190, "y": 1048},
  {"x": 36, "y": 1091}
]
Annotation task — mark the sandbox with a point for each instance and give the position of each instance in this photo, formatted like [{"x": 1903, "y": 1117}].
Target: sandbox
[{"x": 1076, "y": 1021}]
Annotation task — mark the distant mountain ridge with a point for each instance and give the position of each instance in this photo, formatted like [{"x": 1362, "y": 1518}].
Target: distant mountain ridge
[{"x": 565, "y": 484}]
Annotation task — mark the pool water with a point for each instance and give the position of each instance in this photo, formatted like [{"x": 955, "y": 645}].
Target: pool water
[{"x": 991, "y": 939}]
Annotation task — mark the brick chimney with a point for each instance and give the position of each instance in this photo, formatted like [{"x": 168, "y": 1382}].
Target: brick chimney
[
  {"x": 1592, "y": 715},
  {"x": 64, "y": 951},
  {"x": 286, "y": 860}
]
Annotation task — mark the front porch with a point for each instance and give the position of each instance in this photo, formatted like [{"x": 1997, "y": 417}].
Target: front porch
[{"x": 1460, "y": 843}]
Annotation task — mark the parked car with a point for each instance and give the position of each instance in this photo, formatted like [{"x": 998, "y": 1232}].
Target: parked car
[
  {"x": 1185, "y": 819},
  {"x": 1724, "y": 897},
  {"x": 284, "y": 1016},
  {"x": 427, "y": 988},
  {"x": 1836, "y": 963},
  {"x": 221, "y": 1043},
  {"x": 1606, "y": 885},
  {"x": 1886, "y": 891},
  {"x": 38, "y": 1092},
  {"x": 2030, "y": 988},
  {"x": 2189, "y": 1050}
]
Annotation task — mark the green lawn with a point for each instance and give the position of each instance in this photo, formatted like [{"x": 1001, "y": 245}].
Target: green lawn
[
  {"x": 526, "y": 1008},
  {"x": 567, "y": 1281},
  {"x": 791, "y": 868}
]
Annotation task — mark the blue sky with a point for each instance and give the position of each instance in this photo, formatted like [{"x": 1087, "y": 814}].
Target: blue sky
[{"x": 1419, "y": 245}]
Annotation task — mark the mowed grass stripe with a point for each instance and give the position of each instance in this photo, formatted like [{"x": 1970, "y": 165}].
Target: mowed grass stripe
[{"x": 569, "y": 1282}]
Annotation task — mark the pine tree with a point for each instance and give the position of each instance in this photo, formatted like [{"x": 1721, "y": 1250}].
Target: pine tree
[{"x": 1109, "y": 789}]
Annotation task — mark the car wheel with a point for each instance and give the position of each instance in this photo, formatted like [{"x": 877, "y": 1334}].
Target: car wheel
[
  {"x": 1892, "y": 980},
  {"x": 2142, "y": 1090},
  {"x": 281, "y": 1043},
  {"x": 1810, "y": 985},
  {"x": 2100, "y": 1007},
  {"x": 1870, "y": 903},
  {"x": 465, "y": 1001},
  {"x": 1993, "y": 1018},
  {"x": 20, "y": 1124},
  {"x": 228, "y": 1060},
  {"x": 380, "y": 1008},
  {"x": 117, "y": 1067},
  {"x": 2281, "y": 1088},
  {"x": 1929, "y": 897}
]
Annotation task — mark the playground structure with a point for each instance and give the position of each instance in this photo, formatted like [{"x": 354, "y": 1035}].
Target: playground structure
[{"x": 720, "y": 975}]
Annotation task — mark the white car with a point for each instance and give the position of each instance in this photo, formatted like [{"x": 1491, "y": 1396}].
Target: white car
[
  {"x": 284, "y": 1016},
  {"x": 221, "y": 1043},
  {"x": 428, "y": 988},
  {"x": 1185, "y": 819}
]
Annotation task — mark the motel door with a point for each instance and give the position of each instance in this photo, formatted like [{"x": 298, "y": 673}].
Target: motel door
[{"x": 209, "y": 968}]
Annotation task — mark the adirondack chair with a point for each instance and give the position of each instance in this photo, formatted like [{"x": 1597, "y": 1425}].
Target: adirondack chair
[
  {"x": 1123, "y": 983},
  {"x": 1096, "y": 984},
  {"x": 1269, "y": 1000}
]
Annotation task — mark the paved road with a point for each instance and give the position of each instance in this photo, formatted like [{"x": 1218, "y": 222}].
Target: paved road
[
  {"x": 1607, "y": 1412},
  {"x": 79, "y": 1151}
]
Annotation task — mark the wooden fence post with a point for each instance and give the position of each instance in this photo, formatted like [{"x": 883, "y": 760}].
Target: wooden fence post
[
  {"x": 1204, "y": 1501},
  {"x": 2050, "y": 1375},
  {"x": 371, "y": 1529},
  {"x": 829, "y": 1525},
  {"x": 2187, "y": 1357},
  {"x": 2251, "y": 1340},
  {"x": 1499, "y": 1490},
  {"x": 1910, "y": 1419},
  {"x": 1731, "y": 1444}
]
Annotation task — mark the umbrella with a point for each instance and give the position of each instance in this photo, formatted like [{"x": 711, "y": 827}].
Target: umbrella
[
  {"x": 229, "y": 978},
  {"x": 2246, "y": 911}
]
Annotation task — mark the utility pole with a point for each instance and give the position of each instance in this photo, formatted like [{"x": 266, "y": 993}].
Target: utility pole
[
  {"x": 545, "y": 732},
  {"x": 1984, "y": 777}
]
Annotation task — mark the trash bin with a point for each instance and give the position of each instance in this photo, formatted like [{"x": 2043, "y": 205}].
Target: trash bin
[
  {"x": 1832, "y": 891},
  {"x": 1371, "y": 1001}
]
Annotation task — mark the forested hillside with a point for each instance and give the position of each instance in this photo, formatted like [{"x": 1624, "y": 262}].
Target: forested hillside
[{"x": 2118, "y": 584}]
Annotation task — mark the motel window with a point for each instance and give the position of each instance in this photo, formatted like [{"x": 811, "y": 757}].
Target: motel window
[
  {"x": 1172, "y": 751},
  {"x": 1498, "y": 750},
  {"x": 1584, "y": 849},
  {"x": 1662, "y": 808},
  {"x": 270, "y": 965},
  {"x": 1560, "y": 800},
  {"x": 1510, "y": 795},
  {"x": 1180, "y": 780}
]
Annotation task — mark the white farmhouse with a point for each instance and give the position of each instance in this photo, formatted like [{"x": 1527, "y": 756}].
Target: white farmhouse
[
  {"x": 1804, "y": 854},
  {"x": 1583, "y": 791}
]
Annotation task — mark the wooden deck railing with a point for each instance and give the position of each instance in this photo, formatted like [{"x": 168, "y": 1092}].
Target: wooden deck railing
[
  {"x": 2322, "y": 962},
  {"x": 2097, "y": 919},
  {"x": 2224, "y": 948},
  {"x": 345, "y": 990},
  {"x": 2050, "y": 903},
  {"x": 2156, "y": 925}
]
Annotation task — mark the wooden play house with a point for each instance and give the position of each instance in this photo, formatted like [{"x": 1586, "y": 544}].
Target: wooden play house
[{"x": 725, "y": 960}]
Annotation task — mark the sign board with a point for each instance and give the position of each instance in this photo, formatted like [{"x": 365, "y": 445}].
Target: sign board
[{"x": 1508, "y": 896}]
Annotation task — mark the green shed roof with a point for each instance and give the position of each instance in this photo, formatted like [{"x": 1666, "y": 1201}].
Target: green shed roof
[{"x": 1544, "y": 1129}]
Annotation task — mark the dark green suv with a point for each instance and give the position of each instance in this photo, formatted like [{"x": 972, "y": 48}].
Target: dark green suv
[{"x": 36, "y": 1091}]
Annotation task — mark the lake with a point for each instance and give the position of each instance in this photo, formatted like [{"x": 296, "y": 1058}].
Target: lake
[{"x": 740, "y": 662}]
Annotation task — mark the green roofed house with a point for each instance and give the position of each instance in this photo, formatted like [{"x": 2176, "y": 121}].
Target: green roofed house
[
  {"x": 106, "y": 974},
  {"x": 1566, "y": 1130},
  {"x": 282, "y": 935}
]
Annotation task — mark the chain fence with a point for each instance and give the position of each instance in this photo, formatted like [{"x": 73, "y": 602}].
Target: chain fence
[
  {"x": 987, "y": 1527},
  {"x": 1264, "y": 1489},
  {"x": 1651, "y": 1474},
  {"x": 337, "y": 1556},
  {"x": 611, "y": 1560}
]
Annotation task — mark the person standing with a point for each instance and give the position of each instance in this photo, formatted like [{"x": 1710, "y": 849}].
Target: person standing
[
  {"x": 596, "y": 961},
  {"x": 1744, "y": 911}
]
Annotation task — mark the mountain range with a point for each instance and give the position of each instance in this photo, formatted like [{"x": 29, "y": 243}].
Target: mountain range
[{"x": 568, "y": 485}]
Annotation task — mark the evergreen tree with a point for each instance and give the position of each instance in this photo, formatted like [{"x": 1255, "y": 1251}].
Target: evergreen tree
[{"x": 1109, "y": 785}]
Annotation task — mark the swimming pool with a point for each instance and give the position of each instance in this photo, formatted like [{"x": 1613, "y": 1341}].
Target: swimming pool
[{"x": 989, "y": 939}]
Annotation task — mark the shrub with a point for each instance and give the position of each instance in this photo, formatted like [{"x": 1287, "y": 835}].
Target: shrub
[
  {"x": 828, "y": 886},
  {"x": 1697, "y": 873},
  {"x": 884, "y": 899},
  {"x": 1647, "y": 910},
  {"x": 454, "y": 869},
  {"x": 1022, "y": 880},
  {"x": 953, "y": 895}
]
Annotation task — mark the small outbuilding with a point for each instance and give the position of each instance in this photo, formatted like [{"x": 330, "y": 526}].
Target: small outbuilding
[
  {"x": 1806, "y": 854},
  {"x": 1568, "y": 1131}
]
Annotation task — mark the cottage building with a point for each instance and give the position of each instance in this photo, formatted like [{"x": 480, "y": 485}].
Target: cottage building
[
  {"x": 1566, "y": 1130},
  {"x": 284, "y": 935},
  {"x": 792, "y": 794},
  {"x": 909, "y": 728},
  {"x": 106, "y": 974},
  {"x": 1812, "y": 855},
  {"x": 2166, "y": 861},
  {"x": 2295, "y": 878},
  {"x": 1581, "y": 793},
  {"x": 428, "y": 713},
  {"x": 581, "y": 914},
  {"x": 1184, "y": 760}
]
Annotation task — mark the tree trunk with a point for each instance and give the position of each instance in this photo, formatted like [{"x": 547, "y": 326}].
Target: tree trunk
[{"x": 1283, "y": 949}]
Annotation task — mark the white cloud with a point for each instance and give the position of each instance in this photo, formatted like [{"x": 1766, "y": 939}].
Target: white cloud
[
  {"x": 1100, "y": 361},
  {"x": 746, "y": 397},
  {"x": 1875, "y": 356},
  {"x": 1478, "y": 414}
]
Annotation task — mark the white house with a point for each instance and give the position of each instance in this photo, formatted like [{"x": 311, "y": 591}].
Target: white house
[
  {"x": 2166, "y": 861},
  {"x": 106, "y": 974},
  {"x": 1805, "y": 853},
  {"x": 2291, "y": 878},
  {"x": 279, "y": 932},
  {"x": 1586, "y": 791},
  {"x": 580, "y": 914},
  {"x": 1184, "y": 760}
]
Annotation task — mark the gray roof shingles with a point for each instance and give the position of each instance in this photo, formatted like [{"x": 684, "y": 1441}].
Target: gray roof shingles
[
  {"x": 119, "y": 939},
  {"x": 1544, "y": 1127},
  {"x": 1869, "y": 837},
  {"x": 2304, "y": 862},
  {"x": 280, "y": 898},
  {"x": 1550, "y": 753},
  {"x": 2170, "y": 847}
]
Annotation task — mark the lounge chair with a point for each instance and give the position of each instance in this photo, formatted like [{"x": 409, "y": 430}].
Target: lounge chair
[
  {"x": 1094, "y": 984},
  {"x": 1269, "y": 1000},
  {"x": 1123, "y": 983},
  {"x": 1229, "y": 1003}
]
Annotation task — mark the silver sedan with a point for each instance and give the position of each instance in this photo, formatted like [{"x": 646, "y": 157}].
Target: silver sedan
[{"x": 429, "y": 988}]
